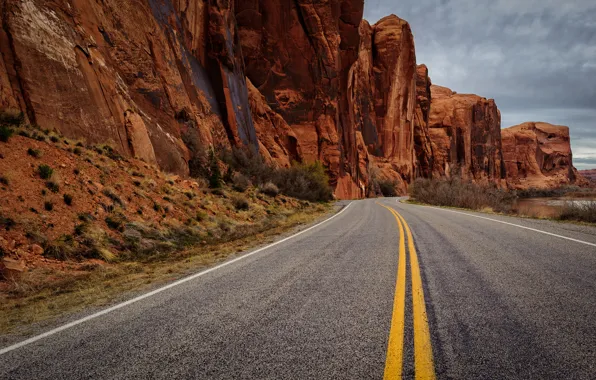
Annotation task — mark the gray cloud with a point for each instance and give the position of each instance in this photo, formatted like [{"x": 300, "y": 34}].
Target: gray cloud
[{"x": 536, "y": 58}]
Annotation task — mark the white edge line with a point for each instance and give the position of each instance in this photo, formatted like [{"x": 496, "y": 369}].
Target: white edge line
[
  {"x": 159, "y": 290},
  {"x": 515, "y": 225}
]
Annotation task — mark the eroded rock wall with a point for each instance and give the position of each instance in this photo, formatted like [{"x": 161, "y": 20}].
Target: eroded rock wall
[
  {"x": 155, "y": 78},
  {"x": 298, "y": 80},
  {"x": 382, "y": 98},
  {"x": 538, "y": 155},
  {"x": 298, "y": 55},
  {"x": 465, "y": 131},
  {"x": 424, "y": 162}
]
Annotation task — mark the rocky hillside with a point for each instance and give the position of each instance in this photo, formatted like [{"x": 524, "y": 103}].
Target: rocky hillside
[
  {"x": 161, "y": 80},
  {"x": 538, "y": 155},
  {"x": 63, "y": 203},
  {"x": 465, "y": 131}
]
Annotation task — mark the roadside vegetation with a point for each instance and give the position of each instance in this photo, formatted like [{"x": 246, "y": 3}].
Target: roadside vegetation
[
  {"x": 80, "y": 224},
  {"x": 380, "y": 186},
  {"x": 580, "y": 212},
  {"x": 563, "y": 191},
  {"x": 455, "y": 192}
]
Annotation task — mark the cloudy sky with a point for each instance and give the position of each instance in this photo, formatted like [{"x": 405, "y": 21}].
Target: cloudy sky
[{"x": 536, "y": 58}]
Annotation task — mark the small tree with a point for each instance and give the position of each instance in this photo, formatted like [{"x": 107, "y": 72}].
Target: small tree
[{"x": 215, "y": 180}]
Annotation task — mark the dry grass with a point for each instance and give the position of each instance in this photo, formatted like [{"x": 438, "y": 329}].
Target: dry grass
[
  {"x": 43, "y": 294},
  {"x": 579, "y": 212},
  {"x": 457, "y": 193}
]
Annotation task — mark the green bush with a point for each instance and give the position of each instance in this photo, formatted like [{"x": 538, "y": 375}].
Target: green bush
[
  {"x": 111, "y": 193},
  {"x": 5, "y": 133},
  {"x": 12, "y": 117},
  {"x": 305, "y": 181},
  {"x": 249, "y": 163},
  {"x": 387, "y": 187},
  {"x": 455, "y": 192},
  {"x": 54, "y": 186},
  {"x": 36, "y": 153},
  {"x": 45, "y": 172},
  {"x": 215, "y": 180},
  {"x": 68, "y": 199}
]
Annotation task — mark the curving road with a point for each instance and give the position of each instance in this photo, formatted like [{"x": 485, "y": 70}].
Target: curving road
[{"x": 476, "y": 297}]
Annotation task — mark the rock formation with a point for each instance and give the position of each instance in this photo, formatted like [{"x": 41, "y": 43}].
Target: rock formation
[
  {"x": 465, "y": 131},
  {"x": 298, "y": 55},
  {"x": 161, "y": 80},
  {"x": 422, "y": 143},
  {"x": 538, "y": 155},
  {"x": 382, "y": 97},
  {"x": 156, "y": 79}
]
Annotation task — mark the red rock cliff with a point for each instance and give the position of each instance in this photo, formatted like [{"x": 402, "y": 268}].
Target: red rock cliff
[
  {"x": 155, "y": 78},
  {"x": 298, "y": 55},
  {"x": 422, "y": 143},
  {"x": 538, "y": 155},
  {"x": 297, "y": 80},
  {"x": 465, "y": 131},
  {"x": 382, "y": 97}
]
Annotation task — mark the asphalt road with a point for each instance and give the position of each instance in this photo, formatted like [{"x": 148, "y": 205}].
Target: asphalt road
[{"x": 499, "y": 301}]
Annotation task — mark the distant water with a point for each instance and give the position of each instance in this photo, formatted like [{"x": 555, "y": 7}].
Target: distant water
[{"x": 545, "y": 207}]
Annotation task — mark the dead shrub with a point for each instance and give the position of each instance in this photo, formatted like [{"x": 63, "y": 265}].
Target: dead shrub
[
  {"x": 579, "y": 211},
  {"x": 455, "y": 192}
]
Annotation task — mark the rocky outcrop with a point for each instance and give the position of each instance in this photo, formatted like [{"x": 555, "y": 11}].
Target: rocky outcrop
[
  {"x": 538, "y": 155},
  {"x": 156, "y": 79},
  {"x": 298, "y": 55},
  {"x": 465, "y": 131},
  {"x": 382, "y": 97},
  {"x": 161, "y": 80},
  {"x": 422, "y": 143}
]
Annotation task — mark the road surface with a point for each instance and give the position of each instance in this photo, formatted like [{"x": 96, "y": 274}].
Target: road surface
[{"x": 476, "y": 297}]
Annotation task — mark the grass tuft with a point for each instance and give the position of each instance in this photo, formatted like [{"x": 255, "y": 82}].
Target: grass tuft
[
  {"x": 5, "y": 133},
  {"x": 45, "y": 171},
  {"x": 35, "y": 153}
]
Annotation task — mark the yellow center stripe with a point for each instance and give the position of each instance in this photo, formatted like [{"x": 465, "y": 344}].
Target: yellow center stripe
[
  {"x": 395, "y": 348},
  {"x": 423, "y": 358},
  {"x": 424, "y": 367}
]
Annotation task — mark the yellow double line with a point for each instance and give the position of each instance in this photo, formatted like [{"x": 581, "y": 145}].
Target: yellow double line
[{"x": 423, "y": 357}]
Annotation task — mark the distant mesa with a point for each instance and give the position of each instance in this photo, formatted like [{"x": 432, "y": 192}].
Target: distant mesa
[
  {"x": 538, "y": 155},
  {"x": 589, "y": 174}
]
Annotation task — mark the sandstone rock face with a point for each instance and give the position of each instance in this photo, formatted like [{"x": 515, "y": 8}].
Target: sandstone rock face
[
  {"x": 422, "y": 143},
  {"x": 298, "y": 55},
  {"x": 297, "y": 80},
  {"x": 465, "y": 131},
  {"x": 382, "y": 97},
  {"x": 155, "y": 78},
  {"x": 278, "y": 143},
  {"x": 538, "y": 155}
]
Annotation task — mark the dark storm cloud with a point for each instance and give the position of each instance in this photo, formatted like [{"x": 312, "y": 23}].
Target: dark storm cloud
[{"x": 537, "y": 59}]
